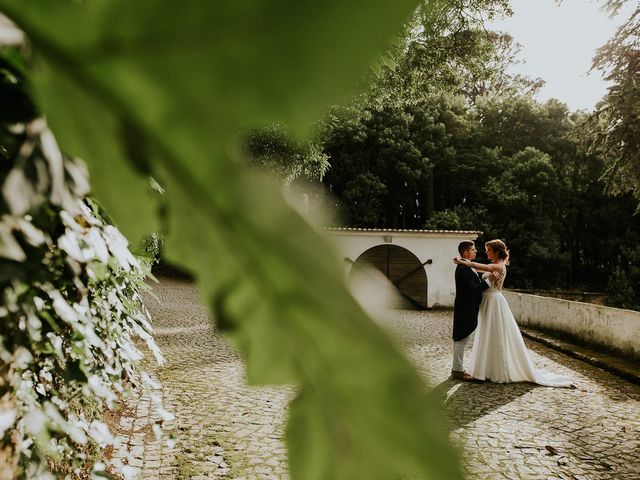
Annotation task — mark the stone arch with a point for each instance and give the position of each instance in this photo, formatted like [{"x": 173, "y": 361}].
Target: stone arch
[{"x": 402, "y": 268}]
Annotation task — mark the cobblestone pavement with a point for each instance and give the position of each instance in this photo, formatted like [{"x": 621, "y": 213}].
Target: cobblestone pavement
[{"x": 224, "y": 429}]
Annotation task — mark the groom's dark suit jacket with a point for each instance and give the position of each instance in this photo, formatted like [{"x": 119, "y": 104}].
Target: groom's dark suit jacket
[{"x": 469, "y": 288}]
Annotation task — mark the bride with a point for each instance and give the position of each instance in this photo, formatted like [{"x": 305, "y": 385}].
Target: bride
[{"x": 499, "y": 353}]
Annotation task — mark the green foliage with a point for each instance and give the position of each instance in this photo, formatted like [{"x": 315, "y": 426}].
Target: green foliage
[
  {"x": 614, "y": 129},
  {"x": 620, "y": 293},
  {"x": 386, "y": 156},
  {"x": 525, "y": 204},
  {"x": 70, "y": 308},
  {"x": 519, "y": 122},
  {"x": 382, "y": 171},
  {"x": 363, "y": 198},
  {"x": 273, "y": 150},
  {"x": 492, "y": 77},
  {"x": 456, "y": 218},
  {"x": 622, "y": 287},
  {"x": 446, "y": 47},
  {"x": 165, "y": 93},
  {"x": 510, "y": 167}
]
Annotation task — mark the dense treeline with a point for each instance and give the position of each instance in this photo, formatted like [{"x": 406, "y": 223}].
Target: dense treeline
[{"x": 509, "y": 167}]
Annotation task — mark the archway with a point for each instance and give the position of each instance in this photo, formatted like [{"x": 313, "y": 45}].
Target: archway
[{"x": 402, "y": 268}]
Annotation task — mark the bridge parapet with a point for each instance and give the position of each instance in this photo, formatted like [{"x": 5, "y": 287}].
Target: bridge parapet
[{"x": 614, "y": 329}]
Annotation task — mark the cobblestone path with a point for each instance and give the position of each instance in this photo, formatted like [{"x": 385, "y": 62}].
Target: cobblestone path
[{"x": 224, "y": 429}]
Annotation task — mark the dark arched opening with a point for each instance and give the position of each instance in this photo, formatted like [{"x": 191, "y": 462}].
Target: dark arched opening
[{"x": 403, "y": 269}]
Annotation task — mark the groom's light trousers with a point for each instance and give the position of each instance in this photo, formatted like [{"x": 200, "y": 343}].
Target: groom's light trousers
[{"x": 458, "y": 353}]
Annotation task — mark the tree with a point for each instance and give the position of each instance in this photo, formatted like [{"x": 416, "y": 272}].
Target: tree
[
  {"x": 449, "y": 49},
  {"x": 442, "y": 46},
  {"x": 275, "y": 151},
  {"x": 406, "y": 149},
  {"x": 524, "y": 205},
  {"x": 620, "y": 293},
  {"x": 493, "y": 78},
  {"x": 614, "y": 129},
  {"x": 512, "y": 124}
]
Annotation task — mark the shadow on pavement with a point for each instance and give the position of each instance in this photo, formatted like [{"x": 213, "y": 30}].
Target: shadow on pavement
[{"x": 465, "y": 402}]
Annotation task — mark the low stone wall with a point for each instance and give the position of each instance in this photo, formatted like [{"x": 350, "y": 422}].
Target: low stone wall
[
  {"x": 585, "y": 297},
  {"x": 612, "y": 328}
]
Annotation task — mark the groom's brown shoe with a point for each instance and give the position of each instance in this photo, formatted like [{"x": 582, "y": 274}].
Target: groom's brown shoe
[{"x": 464, "y": 376}]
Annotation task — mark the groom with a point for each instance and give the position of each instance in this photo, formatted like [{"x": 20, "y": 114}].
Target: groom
[{"x": 469, "y": 289}]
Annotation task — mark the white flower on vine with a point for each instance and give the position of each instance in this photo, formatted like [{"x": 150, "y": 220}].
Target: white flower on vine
[
  {"x": 22, "y": 358},
  {"x": 85, "y": 244},
  {"x": 114, "y": 301},
  {"x": 130, "y": 352},
  {"x": 9, "y": 246},
  {"x": 35, "y": 422},
  {"x": 39, "y": 303},
  {"x": 129, "y": 472},
  {"x": 98, "y": 387},
  {"x": 10, "y": 34},
  {"x": 25, "y": 446},
  {"x": 71, "y": 427},
  {"x": 98, "y": 245},
  {"x": 88, "y": 215},
  {"x": 62, "y": 308},
  {"x": 32, "y": 235},
  {"x": 34, "y": 325},
  {"x": 7, "y": 419},
  {"x": 19, "y": 192},
  {"x": 46, "y": 376},
  {"x": 157, "y": 403},
  {"x": 70, "y": 244},
  {"x": 83, "y": 308},
  {"x": 56, "y": 343},
  {"x": 61, "y": 404},
  {"x": 100, "y": 433},
  {"x": 70, "y": 222},
  {"x": 157, "y": 431},
  {"x": 118, "y": 246},
  {"x": 90, "y": 335},
  {"x": 153, "y": 383},
  {"x": 60, "y": 194}
]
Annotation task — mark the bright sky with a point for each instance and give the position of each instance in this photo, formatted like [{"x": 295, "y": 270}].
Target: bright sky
[{"x": 559, "y": 42}]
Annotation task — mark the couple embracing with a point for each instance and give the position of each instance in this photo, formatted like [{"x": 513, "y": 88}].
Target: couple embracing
[{"x": 498, "y": 353}]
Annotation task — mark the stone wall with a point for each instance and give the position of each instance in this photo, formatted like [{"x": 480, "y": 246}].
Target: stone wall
[
  {"x": 585, "y": 297},
  {"x": 612, "y": 328}
]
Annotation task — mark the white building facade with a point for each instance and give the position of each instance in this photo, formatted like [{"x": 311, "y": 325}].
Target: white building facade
[{"x": 417, "y": 263}]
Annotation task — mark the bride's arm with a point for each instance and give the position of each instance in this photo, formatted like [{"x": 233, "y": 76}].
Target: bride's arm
[{"x": 492, "y": 267}]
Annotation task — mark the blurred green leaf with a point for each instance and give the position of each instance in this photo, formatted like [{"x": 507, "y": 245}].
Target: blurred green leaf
[{"x": 185, "y": 80}]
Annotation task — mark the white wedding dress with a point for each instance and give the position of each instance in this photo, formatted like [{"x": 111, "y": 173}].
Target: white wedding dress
[{"x": 499, "y": 353}]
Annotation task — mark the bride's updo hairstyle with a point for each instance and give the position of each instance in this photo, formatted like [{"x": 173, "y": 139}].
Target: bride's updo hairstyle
[{"x": 499, "y": 248}]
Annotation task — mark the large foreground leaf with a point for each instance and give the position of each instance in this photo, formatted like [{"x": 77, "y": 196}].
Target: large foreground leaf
[{"x": 167, "y": 87}]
